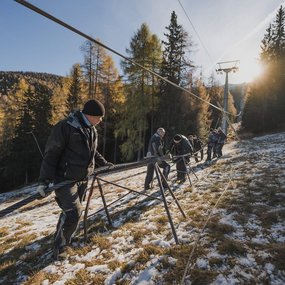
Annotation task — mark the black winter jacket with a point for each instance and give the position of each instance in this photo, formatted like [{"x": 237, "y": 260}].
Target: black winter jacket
[
  {"x": 183, "y": 147},
  {"x": 71, "y": 151},
  {"x": 155, "y": 146}
]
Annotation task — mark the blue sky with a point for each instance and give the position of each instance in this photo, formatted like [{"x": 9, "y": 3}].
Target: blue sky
[{"x": 229, "y": 29}]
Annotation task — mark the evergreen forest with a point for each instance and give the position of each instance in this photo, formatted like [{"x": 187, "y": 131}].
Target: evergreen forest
[{"x": 136, "y": 101}]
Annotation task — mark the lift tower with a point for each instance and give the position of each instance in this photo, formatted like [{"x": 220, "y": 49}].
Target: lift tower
[{"x": 226, "y": 67}]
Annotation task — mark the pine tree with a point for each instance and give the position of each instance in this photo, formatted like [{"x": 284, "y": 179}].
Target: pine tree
[
  {"x": 202, "y": 112},
  {"x": 215, "y": 92},
  {"x": 33, "y": 122},
  {"x": 145, "y": 48},
  {"x": 266, "y": 99},
  {"x": 176, "y": 68},
  {"x": 74, "y": 97}
]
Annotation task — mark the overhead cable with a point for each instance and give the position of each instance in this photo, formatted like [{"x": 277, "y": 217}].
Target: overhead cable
[{"x": 207, "y": 52}]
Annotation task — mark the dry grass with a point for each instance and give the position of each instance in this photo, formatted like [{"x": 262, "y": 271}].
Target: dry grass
[
  {"x": 114, "y": 264},
  {"x": 218, "y": 230},
  {"x": 101, "y": 242},
  {"x": 278, "y": 255},
  {"x": 27, "y": 239},
  {"x": 84, "y": 277},
  {"x": 4, "y": 231},
  {"x": 231, "y": 247},
  {"x": 6, "y": 265},
  {"x": 127, "y": 267},
  {"x": 139, "y": 234},
  {"x": 39, "y": 277},
  {"x": 22, "y": 223},
  {"x": 199, "y": 276},
  {"x": 161, "y": 220},
  {"x": 147, "y": 251},
  {"x": 123, "y": 282},
  {"x": 181, "y": 254},
  {"x": 79, "y": 250},
  {"x": 215, "y": 262}
]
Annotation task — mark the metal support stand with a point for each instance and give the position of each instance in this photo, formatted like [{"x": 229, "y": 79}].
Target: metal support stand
[
  {"x": 187, "y": 172},
  {"x": 161, "y": 180},
  {"x": 87, "y": 208},
  {"x": 104, "y": 203},
  {"x": 165, "y": 202},
  {"x": 171, "y": 192},
  {"x": 191, "y": 169}
]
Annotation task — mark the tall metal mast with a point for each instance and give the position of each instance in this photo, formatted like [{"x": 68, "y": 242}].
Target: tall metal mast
[{"x": 226, "y": 67}]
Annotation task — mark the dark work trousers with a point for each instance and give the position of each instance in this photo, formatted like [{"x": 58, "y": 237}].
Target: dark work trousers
[
  {"x": 150, "y": 171},
  {"x": 196, "y": 154},
  {"x": 211, "y": 147},
  {"x": 69, "y": 198},
  {"x": 219, "y": 147},
  {"x": 181, "y": 168}
]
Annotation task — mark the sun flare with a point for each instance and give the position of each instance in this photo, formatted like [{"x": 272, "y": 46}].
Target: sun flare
[{"x": 249, "y": 71}]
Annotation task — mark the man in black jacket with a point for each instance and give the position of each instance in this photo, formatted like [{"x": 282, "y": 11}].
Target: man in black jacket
[
  {"x": 197, "y": 146},
  {"x": 71, "y": 154},
  {"x": 181, "y": 146},
  {"x": 220, "y": 142}
]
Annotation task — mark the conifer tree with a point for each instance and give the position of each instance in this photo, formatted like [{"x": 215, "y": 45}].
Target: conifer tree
[
  {"x": 112, "y": 89},
  {"x": 93, "y": 59},
  {"x": 141, "y": 89},
  {"x": 58, "y": 101},
  {"x": 176, "y": 68},
  {"x": 32, "y": 123},
  {"x": 268, "y": 93},
  {"x": 75, "y": 96},
  {"x": 202, "y": 116}
]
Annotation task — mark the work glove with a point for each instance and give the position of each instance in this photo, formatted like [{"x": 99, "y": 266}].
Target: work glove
[
  {"x": 42, "y": 189},
  {"x": 148, "y": 154},
  {"x": 169, "y": 156},
  {"x": 109, "y": 164}
]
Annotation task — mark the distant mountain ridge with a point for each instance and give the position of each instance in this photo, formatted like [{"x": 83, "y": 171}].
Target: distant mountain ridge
[{"x": 10, "y": 79}]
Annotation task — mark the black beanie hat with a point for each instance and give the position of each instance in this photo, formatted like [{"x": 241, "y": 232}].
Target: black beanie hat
[
  {"x": 177, "y": 138},
  {"x": 93, "y": 108}
]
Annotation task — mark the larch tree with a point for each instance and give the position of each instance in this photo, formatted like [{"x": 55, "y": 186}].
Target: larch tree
[
  {"x": 94, "y": 56},
  {"x": 112, "y": 89}
]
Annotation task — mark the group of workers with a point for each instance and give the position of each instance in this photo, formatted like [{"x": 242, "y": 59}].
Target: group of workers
[
  {"x": 181, "y": 149},
  {"x": 71, "y": 155},
  {"x": 216, "y": 141}
]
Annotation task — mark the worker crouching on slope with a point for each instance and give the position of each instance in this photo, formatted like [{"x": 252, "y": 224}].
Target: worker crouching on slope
[
  {"x": 155, "y": 148},
  {"x": 71, "y": 154},
  {"x": 181, "y": 146}
]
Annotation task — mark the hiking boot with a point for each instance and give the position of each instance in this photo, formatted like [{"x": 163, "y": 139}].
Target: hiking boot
[
  {"x": 60, "y": 253},
  {"x": 165, "y": 186},
  {"x": 182, "y": 180}
]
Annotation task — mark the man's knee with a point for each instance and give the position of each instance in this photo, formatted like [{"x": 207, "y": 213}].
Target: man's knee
[{"x": 73, "y": 215}]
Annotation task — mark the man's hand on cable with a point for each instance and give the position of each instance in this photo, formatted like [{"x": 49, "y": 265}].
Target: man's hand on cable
[
  {"x": 109, "y": 164},
  {"x": 42, "y": 189}
]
